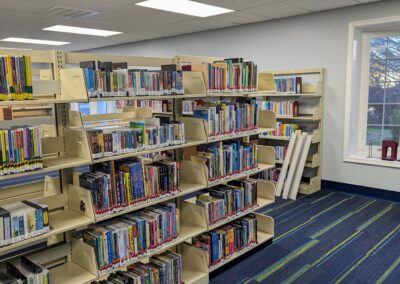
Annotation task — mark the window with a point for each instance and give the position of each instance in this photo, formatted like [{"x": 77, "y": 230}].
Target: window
[
  {"x": 373, "y": 90},
  {"x": 383, "y": 112}
]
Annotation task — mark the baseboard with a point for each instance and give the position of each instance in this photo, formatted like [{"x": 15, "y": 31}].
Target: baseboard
[{"x": 360, "y": 190}]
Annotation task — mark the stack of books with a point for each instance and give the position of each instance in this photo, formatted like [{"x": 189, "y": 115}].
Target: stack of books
[
  {"x": 229, "y": 75},
  {"x": 223, "y": 242},
  {"x": 282, "y": 108},
  {"x": 165, "y": 268},
  {"x": 141, "y": 134},
  {"x": 228, "y": 118},
  {"x": 168, "y": 81},
  {"x": 224, "y": 159},
  {"x": 289, "y": 85},
  {"x": 122, "y": 240},
  {"x": 121, "y": 185},
  {"x": 15, "y": 78},
  {"x": 283, "y": 129},
  {"x": 107, "y": 79},
  {"x": 23, "y": 220},
  {"x": 189, "y": 105},
  {"x": 20, "y": 150},
  {"x": 157, "y": 106},
  {"x": 280, "y": 153},
  {"x": 224, "y": 201},
  {"x": 24, "y": 270}
]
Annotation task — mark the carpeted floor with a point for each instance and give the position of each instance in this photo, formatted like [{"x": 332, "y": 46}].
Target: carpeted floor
[{"x": 327, "y": 237}]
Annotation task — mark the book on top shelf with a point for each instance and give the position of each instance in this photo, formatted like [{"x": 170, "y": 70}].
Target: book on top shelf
[{"x": 289, "y": 85}]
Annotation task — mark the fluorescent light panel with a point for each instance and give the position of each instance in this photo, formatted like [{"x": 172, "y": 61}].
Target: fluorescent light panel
[
  {"x": 83, "y": 31},
  {"x": 34, "y": 41},
  {"x": 186, "y": 7}
]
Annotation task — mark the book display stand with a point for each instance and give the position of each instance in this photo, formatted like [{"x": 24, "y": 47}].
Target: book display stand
[{"x": 66, "y": 147}]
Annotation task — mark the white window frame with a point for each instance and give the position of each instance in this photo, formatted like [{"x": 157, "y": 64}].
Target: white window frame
[{"x": 355, "y": 149}]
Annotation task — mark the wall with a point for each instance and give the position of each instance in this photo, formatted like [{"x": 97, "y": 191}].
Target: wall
[{"x": 314, "y": 40}]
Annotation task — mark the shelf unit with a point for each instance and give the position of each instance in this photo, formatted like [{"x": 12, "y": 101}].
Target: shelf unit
[
  {"x": 310, "y": 120},
  {"x": 65, "y": 146}
]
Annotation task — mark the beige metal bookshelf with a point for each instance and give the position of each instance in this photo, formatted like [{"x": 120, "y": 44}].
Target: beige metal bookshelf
[
  {"x": 65, "y": 146},
  {"x": 311, "y": 93}
]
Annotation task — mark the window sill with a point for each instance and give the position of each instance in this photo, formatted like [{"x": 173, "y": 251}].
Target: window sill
[{"x": 372, "y": 161}]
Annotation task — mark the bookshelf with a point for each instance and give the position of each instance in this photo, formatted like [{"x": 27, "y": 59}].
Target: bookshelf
[
  {"x": 66, "y": 146},
  {"x": 310, "y": 120}
]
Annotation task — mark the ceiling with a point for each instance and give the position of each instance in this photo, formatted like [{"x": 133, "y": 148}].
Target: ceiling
[{"x": 26, "y": 18}]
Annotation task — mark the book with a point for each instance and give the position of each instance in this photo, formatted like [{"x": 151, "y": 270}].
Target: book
[
  {"x": 289, "y": 85},
  {"x": 281, "y": 108}
]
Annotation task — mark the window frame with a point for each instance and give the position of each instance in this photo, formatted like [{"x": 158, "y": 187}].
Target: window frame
[{"x": 357, "y": 88}]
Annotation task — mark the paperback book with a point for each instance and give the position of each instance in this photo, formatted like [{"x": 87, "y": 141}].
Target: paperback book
[{"x": 24, "y": 270}]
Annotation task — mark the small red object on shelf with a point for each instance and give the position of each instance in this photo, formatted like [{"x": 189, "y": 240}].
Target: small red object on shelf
[{"x": 392, "y": 146}]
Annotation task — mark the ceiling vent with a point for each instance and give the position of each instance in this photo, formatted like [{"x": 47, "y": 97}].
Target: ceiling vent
[{"x": 70, "y": 13}]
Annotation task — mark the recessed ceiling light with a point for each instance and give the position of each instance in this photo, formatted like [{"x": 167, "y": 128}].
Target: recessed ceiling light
[
  {"x": 186, "y": 7},
  {"x": 34, "y": 41},
  {"x": 78, "y": 30}
]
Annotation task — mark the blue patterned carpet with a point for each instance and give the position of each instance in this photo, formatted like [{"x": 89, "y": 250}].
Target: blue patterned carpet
[{"x": 327, "y": 237}]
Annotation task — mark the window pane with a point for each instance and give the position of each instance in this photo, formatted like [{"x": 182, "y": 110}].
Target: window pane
[
  {"x": 375, "y": 94},
  {"x": 375, "y": 114},
  {"x": 391, "y": 133},
  {"x": 377, "y": 72},
  {"x": 392, "y": 114},
  {"x": 378, "y": 48},
  {"x": 374, "y": 135},
  {"x": 393, "y": 70},
  {"x": 393, "y": 47},
  {"x": 392, "y": 92}
]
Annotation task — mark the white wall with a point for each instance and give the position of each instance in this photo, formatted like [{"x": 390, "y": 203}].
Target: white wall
[{"x": 314, "y": 40}]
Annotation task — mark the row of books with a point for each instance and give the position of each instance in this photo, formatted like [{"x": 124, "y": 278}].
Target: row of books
[
  {"x": 15, "y": 78},
  {"x": 142, "y": 134},
  {"x": 108, "y": 79},
  {"x": 227, "y": 200},
  {"x": 101, "y": 107},
  {"x": 282, "y": 108},
  {"x": 291, "y": 85},
  {"x": 283, "y": 129},
  {"x": 280, "y": 153},
  {"x": 120, "y": 185},
  {"x": 121, "y": 240},
  {"x": 24, "y": 270},
  {"x": 165, "y": 268},
  {"x": 20, "y": 150},
  {"x": 23, "y": 220},
  {"x": 155, "y": 105},
  {"x": 226, "y": 118},
  {"x": 223, "y": 242},
  {"x": 270, "y": 174},
  {"x": 189, "y": 105},
  {"x": 224, "y": 159},
  {"x": 228, "y": 75}
]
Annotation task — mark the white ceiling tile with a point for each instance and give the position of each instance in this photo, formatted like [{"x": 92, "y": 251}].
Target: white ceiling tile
[
  {"x": 275, "y": 11},
  {"x": 240, "y": 18},
  {"x": 239, "y": 4},
  {"x": 136, "y": 17},
  {"x": 319, "y": 5},
  {"x": 208, "y": 23}
]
